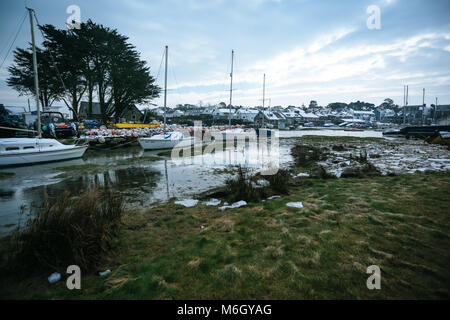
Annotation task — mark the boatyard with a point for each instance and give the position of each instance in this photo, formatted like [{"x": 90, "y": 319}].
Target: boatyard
[
  {"x": 128, "y": 171},
  {"x": 152, "y": 185}
]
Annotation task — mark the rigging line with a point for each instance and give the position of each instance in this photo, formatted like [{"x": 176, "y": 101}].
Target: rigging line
[
  {"x": 159, "y": 70},
  {"x": 176, "y": 83},
  {"x": 160, "y": 65},
  {"x": 12, "y": 34},
  {"x": 14, "y": 40},
  {"x": 51, "y": 55}
]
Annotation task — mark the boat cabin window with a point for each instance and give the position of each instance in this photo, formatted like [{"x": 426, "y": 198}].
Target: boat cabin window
[
  {"x": 11, "y": 148},
  {"x": 28, "y": 147}
]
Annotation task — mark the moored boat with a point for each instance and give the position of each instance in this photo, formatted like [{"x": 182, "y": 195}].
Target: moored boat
[
  {"x": 23, "y": 151},
  {"x": 166, "y": 140}
]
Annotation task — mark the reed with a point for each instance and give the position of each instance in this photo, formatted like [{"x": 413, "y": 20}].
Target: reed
[
  {"x": 243, "y": 188},
  {"x": 67, "y": 230}
]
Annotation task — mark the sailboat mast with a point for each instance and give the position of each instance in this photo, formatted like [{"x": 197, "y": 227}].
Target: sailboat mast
[
  {"x": 35, "y": 68},
  {"x": 264, "y": 90},
  {"x": 264, "y": 97},
  {"x": 165, "y": 88},
  {"x": 231, "y": 87}
]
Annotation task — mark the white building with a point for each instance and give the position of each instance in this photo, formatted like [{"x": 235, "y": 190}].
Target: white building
[{"x": 246, "y": 114}]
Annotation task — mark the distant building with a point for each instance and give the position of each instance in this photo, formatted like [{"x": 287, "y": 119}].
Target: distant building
[
  {"x": 363, "y": 115},
  {"x": 413, "y": 114},
  {"x": 442, "y": 116},
  {"x": 130, "y": 114},
  {"x": 246, "y": 114},
  {"x": 385, "y": 115},
  {"x": 174, "y": 114},
  {"x": 270, "y": 119},
  {"x": 223, "y": 113}
]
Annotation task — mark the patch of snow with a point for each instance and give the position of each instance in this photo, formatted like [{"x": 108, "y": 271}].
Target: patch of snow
[
  {"x": 187, "y": 202},
  {"x": 234, "y": 205},
  {"x": 273, "y": 197},
  {"x": 212, "y": 202}
]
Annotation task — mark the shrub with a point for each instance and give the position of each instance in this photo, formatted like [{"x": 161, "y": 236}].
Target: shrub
[
  {"x": 320, "y": 172},
  {"x": 279, "y": 182},
  {"x": 366, "y": 170},
  {"x": 242, "y": 188},
  {"x": 68, "y": 230},
  {"x": 306, "y": 155}
]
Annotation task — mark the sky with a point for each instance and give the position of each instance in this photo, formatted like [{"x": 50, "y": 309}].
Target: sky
[{"x": 319, "y": 50}]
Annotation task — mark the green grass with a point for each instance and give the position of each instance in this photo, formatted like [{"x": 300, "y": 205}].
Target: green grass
[{"x": 269, "y": 251}]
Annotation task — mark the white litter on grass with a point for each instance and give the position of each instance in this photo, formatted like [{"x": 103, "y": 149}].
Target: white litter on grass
[
  {"x": 301, "y": 174},
  {"x": 234, "y": 205},
  {"x": 187, "y": 202},
  {"x": 104, "y": 273},
  {"x": 273, "y": 197},
  {"x": 54, "y": 277},
  {"x": 298, "y": 205},
  {"x": 212, "y": 202}
]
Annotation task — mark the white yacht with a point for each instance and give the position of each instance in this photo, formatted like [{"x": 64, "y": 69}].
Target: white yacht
[
  {"x": 166, "y": 140},
  {"x": 22, "y": 151}
]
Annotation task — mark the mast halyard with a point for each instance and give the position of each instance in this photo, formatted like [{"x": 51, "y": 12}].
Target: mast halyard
[
  {"x": 165, "y": 89},
  {"x": 231, "y": 88},
  {"x": 35, "y": 68}
]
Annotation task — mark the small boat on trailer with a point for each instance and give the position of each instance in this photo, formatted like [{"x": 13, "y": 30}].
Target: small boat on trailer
[{"x": 24, "y": 151}]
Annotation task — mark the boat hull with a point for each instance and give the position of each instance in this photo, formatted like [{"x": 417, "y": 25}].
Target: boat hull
[
  {"x": 20, "y": 159},
  {"x": 159, "y": 144}
]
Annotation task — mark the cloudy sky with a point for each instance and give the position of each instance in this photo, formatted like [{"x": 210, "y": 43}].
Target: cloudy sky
[{"x": 309, "y": 49}]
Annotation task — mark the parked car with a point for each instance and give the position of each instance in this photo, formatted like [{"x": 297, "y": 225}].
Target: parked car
[{"x": 54, "y": 125}]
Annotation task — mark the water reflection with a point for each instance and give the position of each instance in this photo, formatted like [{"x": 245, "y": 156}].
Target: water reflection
[{"x": 142, "y": 182}]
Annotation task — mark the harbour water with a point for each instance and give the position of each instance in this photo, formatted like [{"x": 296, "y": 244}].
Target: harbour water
[{"x": 143, "y": 182}]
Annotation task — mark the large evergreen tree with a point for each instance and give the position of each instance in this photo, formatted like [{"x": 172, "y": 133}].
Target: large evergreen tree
[
  {"x": 95, "y": 61},
  {"x": 21, "y": 76}
]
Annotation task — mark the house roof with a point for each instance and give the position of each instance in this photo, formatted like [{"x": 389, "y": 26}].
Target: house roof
[{"x": 273, "y": 115}]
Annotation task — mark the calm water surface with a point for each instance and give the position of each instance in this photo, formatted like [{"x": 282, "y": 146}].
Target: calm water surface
[{"x": 143, "y": 183}]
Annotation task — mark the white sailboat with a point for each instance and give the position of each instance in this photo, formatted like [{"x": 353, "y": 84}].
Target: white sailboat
[
  {"x": 21, "y": 151},
  {"x": 166, "y": 140}
]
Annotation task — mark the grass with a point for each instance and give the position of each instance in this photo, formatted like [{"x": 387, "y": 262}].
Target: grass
[
  {"x": 269, "y": 251},
  {"x": 6, "y": 175}
]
